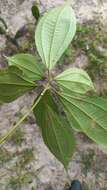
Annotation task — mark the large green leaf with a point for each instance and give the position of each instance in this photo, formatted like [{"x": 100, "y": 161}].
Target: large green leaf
[
  {"x": 76, "y": 80},
  {"x": 56, "y": 132},
  {"x": 87, "y": 113},
  {"x": 12, "y": 84},
  {"x": 54, "y": 33},
  {"x": 28, "y": 64}
]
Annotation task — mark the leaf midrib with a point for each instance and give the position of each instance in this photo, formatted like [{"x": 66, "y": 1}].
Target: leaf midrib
[
  {"x": 64, "y": 39},
  {"x": 85, "y": 131},
  {"x": 49, "y": 58},
  {"x": 27, "y": 68},
  {"x": 85, "y": 113},
  {"x": 60, "y": 149},
  {"x": 74, "y": 82},
  {"x": 81, "y": 99}
]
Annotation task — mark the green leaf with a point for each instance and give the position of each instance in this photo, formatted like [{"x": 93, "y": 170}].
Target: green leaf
[
  {"x": 54, "y": 33},
  {"x": 28, "y": 64},
  {"x": 2, "y": 21},
  {"x": 56, "y": 132},
  {"x": 87, "y": 113},
  {"x": 2, "y": 31},
  {"x": 75, "y": 80},
  {"x": 12, "y": 84},
  {"x": 35, "y": 12}
]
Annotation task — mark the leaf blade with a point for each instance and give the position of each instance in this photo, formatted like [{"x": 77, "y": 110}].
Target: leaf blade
[
  {"x": 86, "y": 114},
  {"x": 56, "y": 133},
  {"x": 12, "y": 84},
  {"x": 27, "y": 63},
  {"x": 54, "y": 33},
  {"x": 76, "y": 80}
]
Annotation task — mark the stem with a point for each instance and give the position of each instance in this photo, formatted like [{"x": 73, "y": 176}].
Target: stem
[
  {"x": 13, "y": 129},
  {"x": 48, "y": 76},
  {"x": 68, "y": 177}
]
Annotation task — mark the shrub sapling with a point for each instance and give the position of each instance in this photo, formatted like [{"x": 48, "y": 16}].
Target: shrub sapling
[{"x": 67, "y": 91}]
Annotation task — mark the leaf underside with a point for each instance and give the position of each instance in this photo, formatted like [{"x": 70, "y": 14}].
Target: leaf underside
[
  {"x": 87, "y": 114},
  {"x": 76, "y": 80},
  {"x": 28, "y": 64},
  {"x": 12, "y": 84},
  {"x": 57, "y": 134},
  {"x": 54, "y": 33}
]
